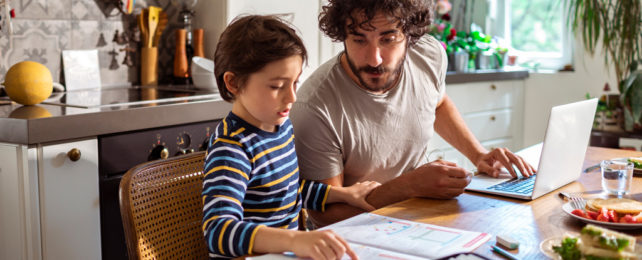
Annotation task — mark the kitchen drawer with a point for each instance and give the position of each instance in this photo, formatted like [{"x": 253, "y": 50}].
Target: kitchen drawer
[
  {"x": 484, "y": 125},
  {"x": 490, "y": 125},
  {"x": 483, "y": 96}
]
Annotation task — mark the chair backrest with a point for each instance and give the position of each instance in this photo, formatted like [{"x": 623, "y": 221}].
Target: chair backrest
[{"x": 162, "y": 209}]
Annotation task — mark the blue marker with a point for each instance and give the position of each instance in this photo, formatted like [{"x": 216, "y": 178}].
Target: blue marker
[{"x": 504, "y": 253}]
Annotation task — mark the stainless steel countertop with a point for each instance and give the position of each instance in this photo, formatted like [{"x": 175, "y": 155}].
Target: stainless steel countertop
[{"x": 45, "y": 123}]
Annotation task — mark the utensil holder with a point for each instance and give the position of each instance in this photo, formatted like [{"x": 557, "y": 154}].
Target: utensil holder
[{"x": 149, "y": 60}]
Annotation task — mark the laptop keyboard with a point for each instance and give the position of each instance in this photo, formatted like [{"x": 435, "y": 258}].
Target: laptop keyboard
[{"x": 520, "y": 185}]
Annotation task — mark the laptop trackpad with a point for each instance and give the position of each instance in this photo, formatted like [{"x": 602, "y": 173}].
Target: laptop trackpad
[{"x": 483, "y": 181}]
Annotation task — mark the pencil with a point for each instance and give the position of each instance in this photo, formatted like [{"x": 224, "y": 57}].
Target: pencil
[{"x": 504, "y": 253}]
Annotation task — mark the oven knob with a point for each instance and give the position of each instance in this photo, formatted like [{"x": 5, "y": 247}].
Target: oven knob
[
  {"x": 184, "y": 151},
  {"x": 204, "y": 145},
  {"x": 159, "y": 152}
]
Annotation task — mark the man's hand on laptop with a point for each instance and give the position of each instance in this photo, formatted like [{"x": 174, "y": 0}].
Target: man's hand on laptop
[{"x": 492, "y": 163}]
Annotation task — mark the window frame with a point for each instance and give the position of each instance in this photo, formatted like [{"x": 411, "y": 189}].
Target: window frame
[{"x": 500, "y": 17}]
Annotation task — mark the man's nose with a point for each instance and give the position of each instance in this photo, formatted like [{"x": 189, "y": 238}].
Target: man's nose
[{"x": 373, "y": 55}]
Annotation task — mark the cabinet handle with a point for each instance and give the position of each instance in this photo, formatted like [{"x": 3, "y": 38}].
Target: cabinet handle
[
  {"x": 493, "y": 87},
  {"x": 74, "y": 154},
  {"x": 492, "y": 118}
]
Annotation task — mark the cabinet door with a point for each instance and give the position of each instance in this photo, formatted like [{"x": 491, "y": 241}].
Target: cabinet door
[{"x": 69, "y": 201}]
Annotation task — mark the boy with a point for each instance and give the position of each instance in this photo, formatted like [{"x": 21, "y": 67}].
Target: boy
[{"x": 252, "y": 194}]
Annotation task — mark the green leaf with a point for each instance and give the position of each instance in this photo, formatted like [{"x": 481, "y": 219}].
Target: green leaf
[{"x": 636, "y": 99}]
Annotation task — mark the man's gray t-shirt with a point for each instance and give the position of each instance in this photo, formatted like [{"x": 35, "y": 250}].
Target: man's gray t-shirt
[{"x": 342, "y": 128}]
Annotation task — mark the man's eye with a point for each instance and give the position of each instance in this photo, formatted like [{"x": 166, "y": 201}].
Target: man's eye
[
  {"x": 275, "y": 87},
  {"x": 359, "y": 41}
]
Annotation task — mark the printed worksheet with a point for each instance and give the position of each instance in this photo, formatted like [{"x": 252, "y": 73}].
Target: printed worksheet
[
  {"x": 376, "y": 237},
  {"x": 407, "y": 237}
]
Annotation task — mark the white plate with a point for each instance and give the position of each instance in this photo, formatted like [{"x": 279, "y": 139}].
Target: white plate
[
  {"x": 620, "y": 226},
  {"x": 546, "y": 247}
]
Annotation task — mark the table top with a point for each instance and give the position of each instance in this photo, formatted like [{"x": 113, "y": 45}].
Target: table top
[{"x": 529, "y": 222}]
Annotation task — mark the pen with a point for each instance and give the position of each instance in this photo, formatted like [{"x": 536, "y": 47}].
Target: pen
[{"x": 504, "y": 253}]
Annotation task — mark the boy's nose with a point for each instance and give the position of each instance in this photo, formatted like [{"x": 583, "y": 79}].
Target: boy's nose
[{"x": 290, "y": 96}]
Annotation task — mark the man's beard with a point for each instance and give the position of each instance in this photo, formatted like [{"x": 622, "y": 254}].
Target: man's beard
[{"x": 392, "y": 79}]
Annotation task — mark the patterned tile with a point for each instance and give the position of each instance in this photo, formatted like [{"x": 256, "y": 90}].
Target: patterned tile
[
  {"x": 42, "y": 9},
  {"x": 36, "y": 40},
  {"x": 86, "y": 36},
  {"x": 94, "y": 10},
  {"x": 43, "y": 28}
]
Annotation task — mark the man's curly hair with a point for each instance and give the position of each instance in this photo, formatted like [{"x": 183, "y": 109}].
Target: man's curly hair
[{"x": 414, "y": 16}]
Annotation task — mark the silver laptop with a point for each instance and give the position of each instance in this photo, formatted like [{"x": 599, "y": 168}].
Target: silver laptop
[{"x": 558, "y": 159}]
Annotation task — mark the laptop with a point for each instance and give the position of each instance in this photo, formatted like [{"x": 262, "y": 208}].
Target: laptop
[{"x": 558, "y": 159}]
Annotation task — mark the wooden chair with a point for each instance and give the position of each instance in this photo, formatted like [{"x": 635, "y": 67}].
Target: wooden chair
[{"x": 162, "y": 209}]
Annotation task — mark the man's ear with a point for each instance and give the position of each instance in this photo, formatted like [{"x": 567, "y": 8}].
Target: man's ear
[{"x": 231, "y": 82}]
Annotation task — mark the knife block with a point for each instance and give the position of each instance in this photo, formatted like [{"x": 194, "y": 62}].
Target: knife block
[{"x": 149, "y": 60}]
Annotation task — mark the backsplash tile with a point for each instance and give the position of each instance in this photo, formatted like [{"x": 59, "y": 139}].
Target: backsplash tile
[
  {"x": 36, "y": 40},
  {"x": 42, "y": 9},
  {"x": 43, "y": 28}
]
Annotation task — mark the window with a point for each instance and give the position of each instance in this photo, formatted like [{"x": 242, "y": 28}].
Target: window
[{"x": 535, "y": 29}]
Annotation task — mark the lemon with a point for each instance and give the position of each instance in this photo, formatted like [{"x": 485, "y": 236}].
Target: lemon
[{"x": 28, "y": 83}]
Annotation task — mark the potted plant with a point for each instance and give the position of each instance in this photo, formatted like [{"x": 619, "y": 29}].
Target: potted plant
[{"x": 615, "y": 25}]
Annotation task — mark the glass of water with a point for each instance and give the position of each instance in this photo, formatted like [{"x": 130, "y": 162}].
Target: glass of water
[{"x": 616, "y": 176}]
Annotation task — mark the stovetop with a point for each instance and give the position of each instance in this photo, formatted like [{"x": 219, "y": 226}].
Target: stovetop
[{"x": 128, "y": 96}]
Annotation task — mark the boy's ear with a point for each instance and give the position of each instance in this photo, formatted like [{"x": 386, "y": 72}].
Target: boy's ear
[{"x": 231, "y": 82}]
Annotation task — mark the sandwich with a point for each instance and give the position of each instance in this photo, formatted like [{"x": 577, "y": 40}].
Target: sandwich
[
  {"x": 637, "y": 162},
  {"x": 598, "y": 243}
]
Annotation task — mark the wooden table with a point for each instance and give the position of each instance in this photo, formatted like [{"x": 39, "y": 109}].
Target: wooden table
[{"x": 530, "y": 222}]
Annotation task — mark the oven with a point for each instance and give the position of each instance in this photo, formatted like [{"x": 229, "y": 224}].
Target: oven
[{"x": 121, "y": 151}]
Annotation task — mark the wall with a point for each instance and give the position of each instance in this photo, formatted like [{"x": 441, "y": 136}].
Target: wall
[
  {"x": 545, "y": 90},
  {"x": 302, "y": 14},
  {"x": 43, "y": 28}
]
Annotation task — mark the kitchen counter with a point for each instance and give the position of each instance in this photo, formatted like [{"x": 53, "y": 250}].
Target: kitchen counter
[
  {"x": 508, "y": 73},
  {"x": 91, "y": 113},
  {"x": 87, "y": 113}
]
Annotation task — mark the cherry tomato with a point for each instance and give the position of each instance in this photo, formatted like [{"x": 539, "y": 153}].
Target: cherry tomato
[
  {"x": 627, "y": 219},
  {"x": 579, "y": 212},
  {"x": 592, "y": 214}
]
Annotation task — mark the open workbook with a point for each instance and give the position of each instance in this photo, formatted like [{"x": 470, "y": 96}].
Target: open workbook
[{"x": 373, "y": 236}]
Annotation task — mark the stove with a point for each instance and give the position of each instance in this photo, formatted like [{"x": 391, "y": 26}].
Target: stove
[{"x": 131, "y": 96}]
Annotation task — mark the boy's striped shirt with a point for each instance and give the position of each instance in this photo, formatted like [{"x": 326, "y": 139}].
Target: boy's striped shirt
[{"x": 252, "y": 179}]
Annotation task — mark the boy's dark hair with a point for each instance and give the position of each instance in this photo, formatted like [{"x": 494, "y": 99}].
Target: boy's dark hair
[
  {"x": 414, "y": 16},
  {"x": 251, "y": 42}
]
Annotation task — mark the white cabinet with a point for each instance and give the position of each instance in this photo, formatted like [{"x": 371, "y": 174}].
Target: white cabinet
[
  {"x": 70, "y": 206},
  {"x": 493, "y": 111},
  {"x": 302, "y": 14},
  {"x": 50, "y": 204},
  {"x": 19, "y": 221}
]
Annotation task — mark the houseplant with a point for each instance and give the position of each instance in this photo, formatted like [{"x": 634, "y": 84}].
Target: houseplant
[{"x": 615, "y": 25}]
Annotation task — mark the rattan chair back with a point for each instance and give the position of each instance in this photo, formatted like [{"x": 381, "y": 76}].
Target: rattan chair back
[{"x": 162, "y": 210}]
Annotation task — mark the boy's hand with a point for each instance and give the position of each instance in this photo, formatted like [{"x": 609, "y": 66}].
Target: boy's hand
[
  {"x": 356, "y": 194},
  {"x": 321, "y": 245}
]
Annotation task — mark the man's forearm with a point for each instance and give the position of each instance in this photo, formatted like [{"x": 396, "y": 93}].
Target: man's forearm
[{"x": 451, "y": 127}]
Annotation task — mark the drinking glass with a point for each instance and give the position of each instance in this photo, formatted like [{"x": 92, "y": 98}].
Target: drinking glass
[{"x": 616, "y": 176}]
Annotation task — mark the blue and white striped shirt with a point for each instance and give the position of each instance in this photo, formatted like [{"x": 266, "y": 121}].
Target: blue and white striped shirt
[{"x": 252, "y": 179}]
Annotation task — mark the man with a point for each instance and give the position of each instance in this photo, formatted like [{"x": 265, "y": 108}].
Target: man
[{"x": 369, "y": 113}]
